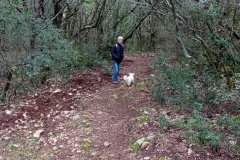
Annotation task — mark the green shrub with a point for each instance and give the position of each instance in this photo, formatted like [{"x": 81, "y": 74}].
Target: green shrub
[
  {"x": 104, "y": 63},
  {"x": 52, "y": 55},
  {"x": 182, "y": 87},
  {"x": 209, "y": 138},
  {"x": 198, "y": 122},
  {"x": 230, "y": 124},
  {"x": 180, "y": 122},
  {"x": 174, "y": 83},
  {"x": 202, "y": 131},
  {"x": 163, "y": 122}
]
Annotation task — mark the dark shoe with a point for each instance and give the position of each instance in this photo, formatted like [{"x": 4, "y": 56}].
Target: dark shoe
[{"x": 115, "y": 82}]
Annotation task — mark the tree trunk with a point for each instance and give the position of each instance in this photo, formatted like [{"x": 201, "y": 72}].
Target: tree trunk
[
  {"x": 7, "y": 86},
  {"x": 39, "y": 13},
  {"x": 177, "y": 32}
]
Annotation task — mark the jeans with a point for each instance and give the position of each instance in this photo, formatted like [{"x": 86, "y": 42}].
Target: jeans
[{"x": 116, "y": 68}]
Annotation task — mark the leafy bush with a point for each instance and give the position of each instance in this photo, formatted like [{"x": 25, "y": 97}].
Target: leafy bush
[
  {"x": 231, "y": 124},
  {"x": 174, "y": 84},
  {"x": 181, "y": 86},
  {"x": 53, "y": 59},
  {"x": 52, "y": 54},
  {"x": 163, "y": 122},
  {"x": 201, "y": 131},
  {"x": 104, "y": 63}
]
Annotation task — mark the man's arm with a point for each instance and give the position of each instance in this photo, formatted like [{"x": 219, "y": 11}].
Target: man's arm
[
  {"x": 112, "y": 50},
  {"x": 113, "y": 53}
]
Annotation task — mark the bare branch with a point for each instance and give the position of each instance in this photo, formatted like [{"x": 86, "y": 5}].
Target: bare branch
[
  {"x": 130, "y": 33},
  {"x": 51, "y": 20},
  {"x": 178, "y": 36}
]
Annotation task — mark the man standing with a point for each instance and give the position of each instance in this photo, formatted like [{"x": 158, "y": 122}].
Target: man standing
[{"x": 117, "y": 56}]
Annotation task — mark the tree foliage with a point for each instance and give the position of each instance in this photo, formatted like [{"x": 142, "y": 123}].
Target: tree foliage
[
  {"x": 41, "y": 38},
  {"x": 200, "y": 77},
  {"x": 198, "y": 42}
]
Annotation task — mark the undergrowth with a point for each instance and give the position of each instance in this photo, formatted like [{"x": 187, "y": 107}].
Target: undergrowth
[
  {"x": 207, "y": 122},
  {"x": 51, "y": 54}
]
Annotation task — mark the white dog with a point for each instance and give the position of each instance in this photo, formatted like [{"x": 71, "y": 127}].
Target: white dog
[{"x": 129, "y": 79}]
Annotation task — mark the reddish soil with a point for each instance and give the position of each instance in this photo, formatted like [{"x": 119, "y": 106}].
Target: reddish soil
[{"x": 88, "y": 117}]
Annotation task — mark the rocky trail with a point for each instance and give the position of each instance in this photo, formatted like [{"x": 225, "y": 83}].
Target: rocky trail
[{"x": 89, "y": 118}]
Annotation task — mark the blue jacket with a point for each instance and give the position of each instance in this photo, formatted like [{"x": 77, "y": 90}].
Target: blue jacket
[{"x": 117, "y": 53}]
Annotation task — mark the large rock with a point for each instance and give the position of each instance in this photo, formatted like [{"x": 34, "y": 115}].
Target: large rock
[
  {"x": 106, "y": 144},
  {"x": 190, "y": 152},
  {"x": 57, "y": 91},
  {"x": 145, "y": 145},
  {"x": 139, "y": 141},
  {"x": 37, "y": 133}
]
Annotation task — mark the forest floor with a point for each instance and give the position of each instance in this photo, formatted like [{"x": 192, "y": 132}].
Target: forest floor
[{"x": 89, "y": 118}]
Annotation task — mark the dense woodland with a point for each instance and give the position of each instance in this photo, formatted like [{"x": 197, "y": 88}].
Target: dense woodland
[{"x": 197, "y": 44}]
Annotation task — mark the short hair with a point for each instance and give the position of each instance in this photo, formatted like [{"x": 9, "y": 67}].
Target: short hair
[{"x": 120, "y": 37}]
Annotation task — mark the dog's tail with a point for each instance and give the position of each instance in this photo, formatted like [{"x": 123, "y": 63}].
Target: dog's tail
[{"x": 125, "y": 77}]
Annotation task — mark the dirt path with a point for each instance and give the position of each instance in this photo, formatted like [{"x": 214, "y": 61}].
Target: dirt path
[
  {"x": 116, "y": 107},
  {"x": 89, "y": 118}
]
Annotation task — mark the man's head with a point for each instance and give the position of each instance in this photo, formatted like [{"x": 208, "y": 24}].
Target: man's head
[{"x": 120, "y": 39}]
